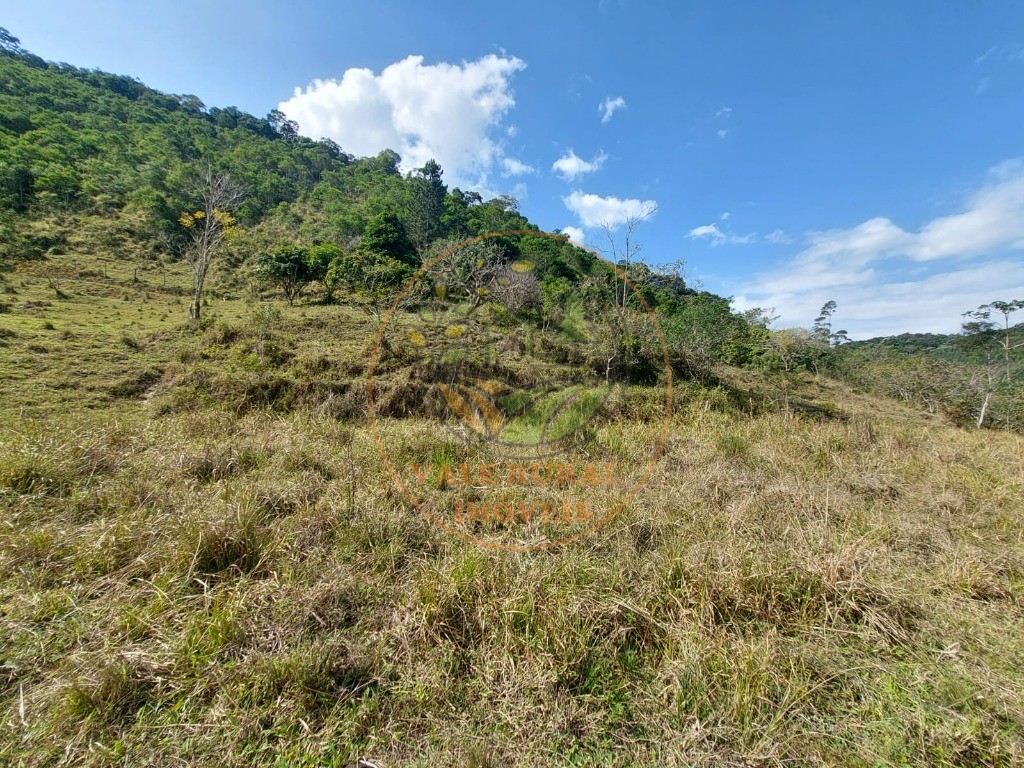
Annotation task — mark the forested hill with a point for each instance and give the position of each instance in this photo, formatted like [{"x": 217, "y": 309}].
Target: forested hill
[
  {"x": 954, "y": 347},
  {"x": 117, "y": 155},
  {"x": 92, "y": 163}
]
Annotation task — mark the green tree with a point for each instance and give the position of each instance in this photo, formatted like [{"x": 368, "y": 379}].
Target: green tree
[
  {"x": 980, "y": 329},
  {"x": 823, "y": 323},
  {"x": 371, "y": 278},
  {"x": 386, "y": 235},
  {"x": 288, "y": 268},
  {"x": 319, "y": 259},
  {"x": 425, "y": 204}
]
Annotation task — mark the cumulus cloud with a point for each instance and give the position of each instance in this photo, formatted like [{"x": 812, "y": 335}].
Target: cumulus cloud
[
  {"x": 608, "y": 107},
  {"x": 442, "y": 111},
  {"x": 570, "y": 166},
  {"x": 887, "y": 279},
  {"x": 716, "y": 236},
  {"x": 574, "y": 233},
  {"x": 597, "y": 211}
]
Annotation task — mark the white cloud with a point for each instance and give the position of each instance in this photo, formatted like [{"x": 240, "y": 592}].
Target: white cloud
[
  {"x": 722, "y": 133},
  {"x": 513, "y": 167},
  {"x": 723, "y": 113},
  {"x": 574, "y": 233},
  {"x": 608, "y": 107},
  {"x": 724, "y": 216},
  {"x": 994, "y": 217},
  {"x": 778, "y": 237},
  {"x": 712, "y": 233},
  {"x": 879, "y": 272},
  {"x": 708, "y": 230},
  {"x": 871, "y": 306},
  {"x": 441, "y": 111},
  {"x": 597, "y": 211},
  {"x": 571, "y": 166}
]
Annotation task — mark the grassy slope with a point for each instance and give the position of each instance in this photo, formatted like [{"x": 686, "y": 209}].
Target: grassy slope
[{"x": 187, "y": 575}]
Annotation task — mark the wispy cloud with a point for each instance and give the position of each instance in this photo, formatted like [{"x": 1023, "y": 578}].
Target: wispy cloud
[
  {"x": 571, "y": 166},
  {"x": 609, "y": 106},
  {"x": 778, "y": 237},
  {"x": 998, "y": 59},
  {"x": 888, "y": 279},
  {"x": 716, "y": 236},
  {"x": 1010, "y": 52}
]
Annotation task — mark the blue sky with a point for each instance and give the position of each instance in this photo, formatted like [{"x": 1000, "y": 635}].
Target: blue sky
[{"x": 865, "y": 152}]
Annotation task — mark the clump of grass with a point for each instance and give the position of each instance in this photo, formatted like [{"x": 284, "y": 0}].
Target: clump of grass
[
  {"x": 216, "y": 463},
  {"x": 112, "y": 695},
  {"x": 32, "y": 472},
  {"x": 733, "y": 445},
  {"x": 236, "y": 542},
  {"x": 314, "y": 679}
]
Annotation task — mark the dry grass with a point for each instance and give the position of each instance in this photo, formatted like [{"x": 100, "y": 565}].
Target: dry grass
[{"x": 199, "y": 576}]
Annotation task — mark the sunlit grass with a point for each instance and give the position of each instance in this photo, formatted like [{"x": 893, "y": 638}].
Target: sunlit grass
[{"x": 215, "y": 567}]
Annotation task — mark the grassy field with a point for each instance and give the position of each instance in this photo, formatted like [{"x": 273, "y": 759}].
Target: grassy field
[{"x": 203, "y": 561}]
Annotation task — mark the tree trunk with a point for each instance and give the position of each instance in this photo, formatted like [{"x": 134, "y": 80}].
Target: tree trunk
[
  {"x": 984, "y": 410},
  {"x": 195, "y": 309}
]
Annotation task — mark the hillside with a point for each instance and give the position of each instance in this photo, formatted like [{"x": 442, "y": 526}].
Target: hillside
[{"x": 207, "y": 559}]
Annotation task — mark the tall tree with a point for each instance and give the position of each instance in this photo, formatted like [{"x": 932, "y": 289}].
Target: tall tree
[
  {"x": 426, "y": 197},
  {"x": 981, "y": 327},
  {"x": 621, "y": 252},
  {"x": 981, "y": 331},
  {"x": 10, "y": 44},
  {"x": 823, "y": 322},
  {"x": 206, "y": 228}
]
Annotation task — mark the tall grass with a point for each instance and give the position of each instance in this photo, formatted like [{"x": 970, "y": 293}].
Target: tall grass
[{"x": 218, "y": 570}]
